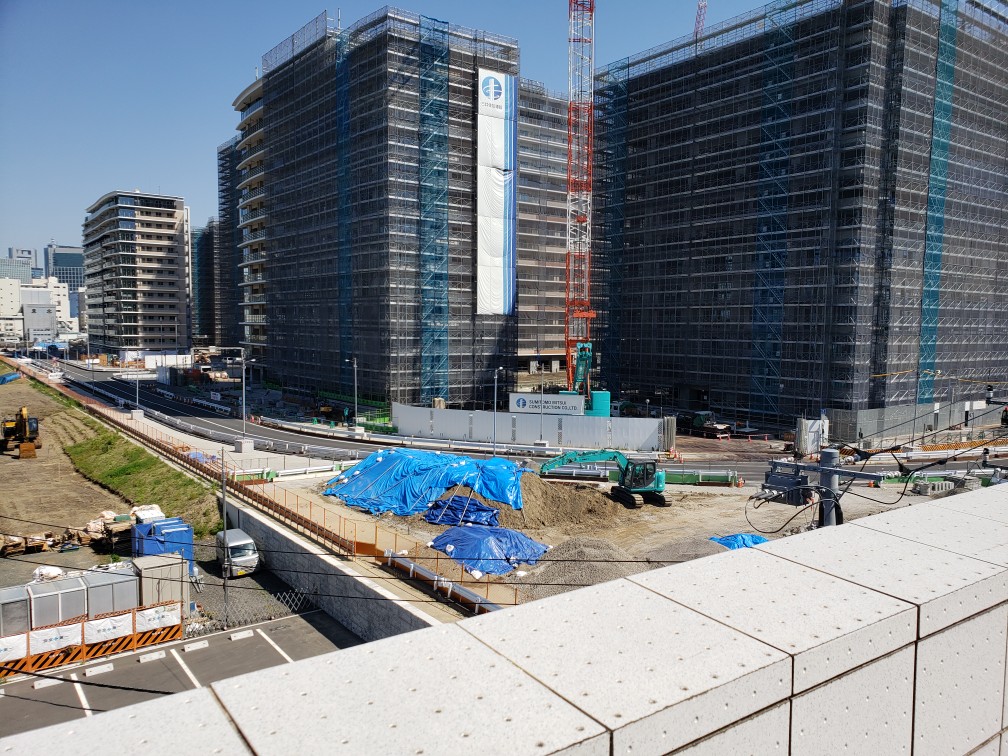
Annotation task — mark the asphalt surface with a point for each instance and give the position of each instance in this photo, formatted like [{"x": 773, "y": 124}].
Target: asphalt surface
[{"x": 68, "y": 693}]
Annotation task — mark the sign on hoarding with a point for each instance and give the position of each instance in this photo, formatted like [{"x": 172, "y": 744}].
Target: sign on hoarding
[{"x": 547, "y": 404}]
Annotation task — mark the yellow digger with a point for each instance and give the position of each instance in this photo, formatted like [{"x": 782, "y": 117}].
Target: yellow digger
[{"x": 22, "y": 431}]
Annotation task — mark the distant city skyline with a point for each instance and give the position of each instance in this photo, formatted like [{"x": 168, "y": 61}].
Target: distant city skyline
[{"x": 69, "y": 134}]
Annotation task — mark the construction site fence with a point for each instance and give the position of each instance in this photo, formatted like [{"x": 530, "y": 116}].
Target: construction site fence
[
  {"x": 343, "y": 535},
  {"x": 81, "y": 639}
]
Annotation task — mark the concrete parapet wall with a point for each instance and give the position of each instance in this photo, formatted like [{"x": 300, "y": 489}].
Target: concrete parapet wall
[
  {"x": 884, "y": 635},
  {"x": 361, "y": 604}
]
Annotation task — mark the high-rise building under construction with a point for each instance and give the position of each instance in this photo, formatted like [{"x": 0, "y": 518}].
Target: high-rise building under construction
[
  {"x": 805, "y": 208},
  {"x": 378, "y": 216}
]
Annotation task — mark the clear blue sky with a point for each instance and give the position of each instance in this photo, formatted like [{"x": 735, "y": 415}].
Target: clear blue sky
[{"x": 97, "y": 96}]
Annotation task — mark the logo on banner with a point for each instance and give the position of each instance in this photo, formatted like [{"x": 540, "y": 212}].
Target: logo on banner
[
  {"x": 492, "y": 88},
  {"x": 521, "y": 403}
]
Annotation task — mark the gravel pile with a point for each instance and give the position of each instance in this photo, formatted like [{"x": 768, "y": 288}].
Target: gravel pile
[
  {"x": 683, "y": 550},
  {"x": 576, "y": 563}
]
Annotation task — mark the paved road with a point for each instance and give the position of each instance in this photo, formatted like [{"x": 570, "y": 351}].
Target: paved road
[{"x": 68, "y": 693}]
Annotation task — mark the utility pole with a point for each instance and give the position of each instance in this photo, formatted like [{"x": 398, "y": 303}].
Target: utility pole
[
  {"x": 227, "y": 550},
  {"x": 829, "y": 471}
]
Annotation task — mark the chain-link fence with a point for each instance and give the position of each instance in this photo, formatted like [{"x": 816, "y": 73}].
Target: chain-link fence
[{"x": 247, "y": 600}]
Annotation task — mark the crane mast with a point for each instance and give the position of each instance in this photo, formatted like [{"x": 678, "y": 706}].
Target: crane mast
[{"x": 580, "y": 132}]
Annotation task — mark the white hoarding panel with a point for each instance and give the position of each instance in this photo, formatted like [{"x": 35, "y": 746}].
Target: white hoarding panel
[
  {"x": 107, "y": 628},
  {"x": 159, "y": 616},
  {"x": 52, "y": 638},
  {"x": 550, "y": 404},
  {"x": 13, "y": 647}
]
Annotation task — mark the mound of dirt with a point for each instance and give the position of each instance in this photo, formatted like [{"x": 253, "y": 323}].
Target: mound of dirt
[
  {"x": 576, "y": 563},
  {"x": 548, "y": 504}
]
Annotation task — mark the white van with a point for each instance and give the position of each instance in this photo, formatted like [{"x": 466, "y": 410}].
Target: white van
[{"x": 244, "y": 556}]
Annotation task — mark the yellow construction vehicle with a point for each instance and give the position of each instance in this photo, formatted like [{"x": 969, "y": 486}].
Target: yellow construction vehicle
[{"x": 23, "y": 431}]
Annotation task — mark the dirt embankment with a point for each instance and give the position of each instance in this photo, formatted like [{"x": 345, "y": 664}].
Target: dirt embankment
[{"x": 47, "y": 493}]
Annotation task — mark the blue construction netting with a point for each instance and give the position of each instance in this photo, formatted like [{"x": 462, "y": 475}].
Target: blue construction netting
[
  {"x": 433, "y": 167},
  {"x": 488, "y": 550},
  {"x": 934, "y": 236},
  {"x": 772, "y": 221},
  {"x": 405, "y": 481}
]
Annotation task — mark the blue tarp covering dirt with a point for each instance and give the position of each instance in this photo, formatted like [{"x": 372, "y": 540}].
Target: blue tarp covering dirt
[
  {"x": 460, "y": 509},
  {"x": 495, "y": 550},
  {"x": 405, "y": 481},
  {"x": 8, "y": 377},
  {"x": 740, "y": 540}
]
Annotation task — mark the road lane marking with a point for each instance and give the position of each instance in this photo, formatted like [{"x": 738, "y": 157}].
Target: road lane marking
[
  {"x": 98, "y": 670},
  {"x": 270, "y": 641},
  {"x": 80, "y": 694},
  {"x": 243, "y": 634},
  {"x": 185, "y": 668},
  {"x": 151, "y": 657}
]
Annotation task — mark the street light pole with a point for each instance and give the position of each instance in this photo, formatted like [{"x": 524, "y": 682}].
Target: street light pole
[
  {"x": 542, "y": 398},
  {"x": 243, "y": 389},
  {"x": 495, "y": 412}
]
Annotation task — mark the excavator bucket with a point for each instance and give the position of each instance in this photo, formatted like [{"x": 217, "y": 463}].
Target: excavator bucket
[{"x": 26, "y": 450}]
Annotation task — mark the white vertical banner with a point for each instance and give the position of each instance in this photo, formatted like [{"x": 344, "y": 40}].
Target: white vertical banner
[{"x": 496, "y": 192}]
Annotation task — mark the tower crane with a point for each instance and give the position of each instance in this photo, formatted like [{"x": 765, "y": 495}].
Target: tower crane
[{"x": 580, "y": 133}]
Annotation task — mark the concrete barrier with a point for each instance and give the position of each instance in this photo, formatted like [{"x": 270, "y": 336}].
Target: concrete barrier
[
  {"x": 884, "y": 635},
  {"x": 361, "y": 604}
]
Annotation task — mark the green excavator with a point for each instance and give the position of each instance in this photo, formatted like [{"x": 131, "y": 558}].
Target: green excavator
[{"x": 640, "y": 480}]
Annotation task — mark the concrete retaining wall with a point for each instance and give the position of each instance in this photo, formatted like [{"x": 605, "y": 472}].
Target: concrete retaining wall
[
  {"x": 885, "y": 635},
  {"x": 361, "y": 604}
]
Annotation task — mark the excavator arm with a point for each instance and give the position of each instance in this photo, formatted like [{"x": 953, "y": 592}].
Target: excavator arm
[{"x": 573, "y": 458}]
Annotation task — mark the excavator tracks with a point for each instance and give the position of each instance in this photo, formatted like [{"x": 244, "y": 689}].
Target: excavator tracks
[
  {"x": 635, "y": 500},
  {"x": 627, "y": 498}
]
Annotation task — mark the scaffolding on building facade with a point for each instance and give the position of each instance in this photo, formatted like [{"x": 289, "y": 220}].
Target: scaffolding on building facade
[{"x": 767, "y": 195}]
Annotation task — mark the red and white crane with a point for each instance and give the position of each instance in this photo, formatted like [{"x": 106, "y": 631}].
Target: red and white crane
[{"x": 580, "y": 133}]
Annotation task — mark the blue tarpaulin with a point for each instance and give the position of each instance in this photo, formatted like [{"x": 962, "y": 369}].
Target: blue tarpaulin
[
  {"x": 8, "y": 377},
  {"x": 405, "y": 481},
  {"x": 460, "y": 509},
  {"x": 495, "y": 550},
  {"x": 740, "y": 540}
]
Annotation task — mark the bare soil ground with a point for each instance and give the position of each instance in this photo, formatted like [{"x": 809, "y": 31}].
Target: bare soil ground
[
  {"x": 596, "y": 539},
  {"x": 47, "y": 489}
]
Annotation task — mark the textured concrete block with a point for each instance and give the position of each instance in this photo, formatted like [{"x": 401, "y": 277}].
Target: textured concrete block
[
  {"x": 944, "y": 528},
  {"x": 657, "y": 674},
  {"x": 763, "y": 734},
  {"x": 189, "y": 722},
  {"x": 946, "y": 587},
  {"x": 959, "y": 700},
  {"x": 869, "y": 710},
  {"x": 431, "y": 691},
  {"x": 991, "y": 748},
  {"x": 828, "y": 625},
  {"x": 991, "y": 502}
]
